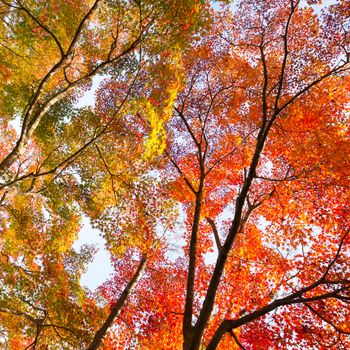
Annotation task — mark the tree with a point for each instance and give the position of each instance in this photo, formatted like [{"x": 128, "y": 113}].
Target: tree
[
  {"x": 243, "y": 133},
  {"x": 259, "y": 142},
  {"x": 68, "y": 161}
]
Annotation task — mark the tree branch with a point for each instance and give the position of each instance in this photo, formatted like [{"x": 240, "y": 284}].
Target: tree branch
[
  {"x": 294, "y": 298},
  {"x": 215, "y": 232},
  {"x": 100, "y": 334}
]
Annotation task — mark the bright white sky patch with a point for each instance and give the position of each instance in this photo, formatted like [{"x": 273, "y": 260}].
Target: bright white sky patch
[
  {"x": 100, "y": 268},
  {"x": 89, "y": 97}
]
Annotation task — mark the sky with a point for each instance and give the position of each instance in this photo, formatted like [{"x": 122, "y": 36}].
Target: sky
[{"x": 100, "y": 268}]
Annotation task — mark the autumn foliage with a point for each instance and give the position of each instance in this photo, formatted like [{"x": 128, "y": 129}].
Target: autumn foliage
[{"x": 214, "y": 161}]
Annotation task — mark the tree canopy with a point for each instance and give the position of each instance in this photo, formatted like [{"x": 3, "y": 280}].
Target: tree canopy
[{"x": 214, "y": 161}]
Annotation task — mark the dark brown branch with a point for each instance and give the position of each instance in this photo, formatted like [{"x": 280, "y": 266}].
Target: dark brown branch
[
  {"x": 323, "y": 318},
  {"x": 181, "y": 115},
  {"x": 3, "y": 198},
  {"x": 14, "y": 52},
  {"x": 234, "y": 336},
  {"x": 63, "y": 93},
  {"x": 294, "y": 298},
  {"x": 308, "y": 87},
  {"x": 336, "y": 255},
  {"x": 188, "y": 313},
  {"x": 208, "y": 303},
  {"x": 18, "y": 313},
  {"x": 43, "y": 26},
  {"x": 100, "y": 334},
  {"x": 190, "y": 88},
  {"x": 54, "y": 326},
  {"x": 285, "y": 56},
  {"x": 188, "y": 183},
  {"x": 215, "y": 232},
  {"x": 221, "y": 159},
  {"x": 265, "y": 83},
  {"x": 290, "y": 178}
]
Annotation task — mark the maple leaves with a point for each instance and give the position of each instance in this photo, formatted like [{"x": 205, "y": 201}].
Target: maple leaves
[
  {"x": 233, "y": 122},
  {"x": 279, "y": 183},
  {"x": 66, "y": 161}
]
